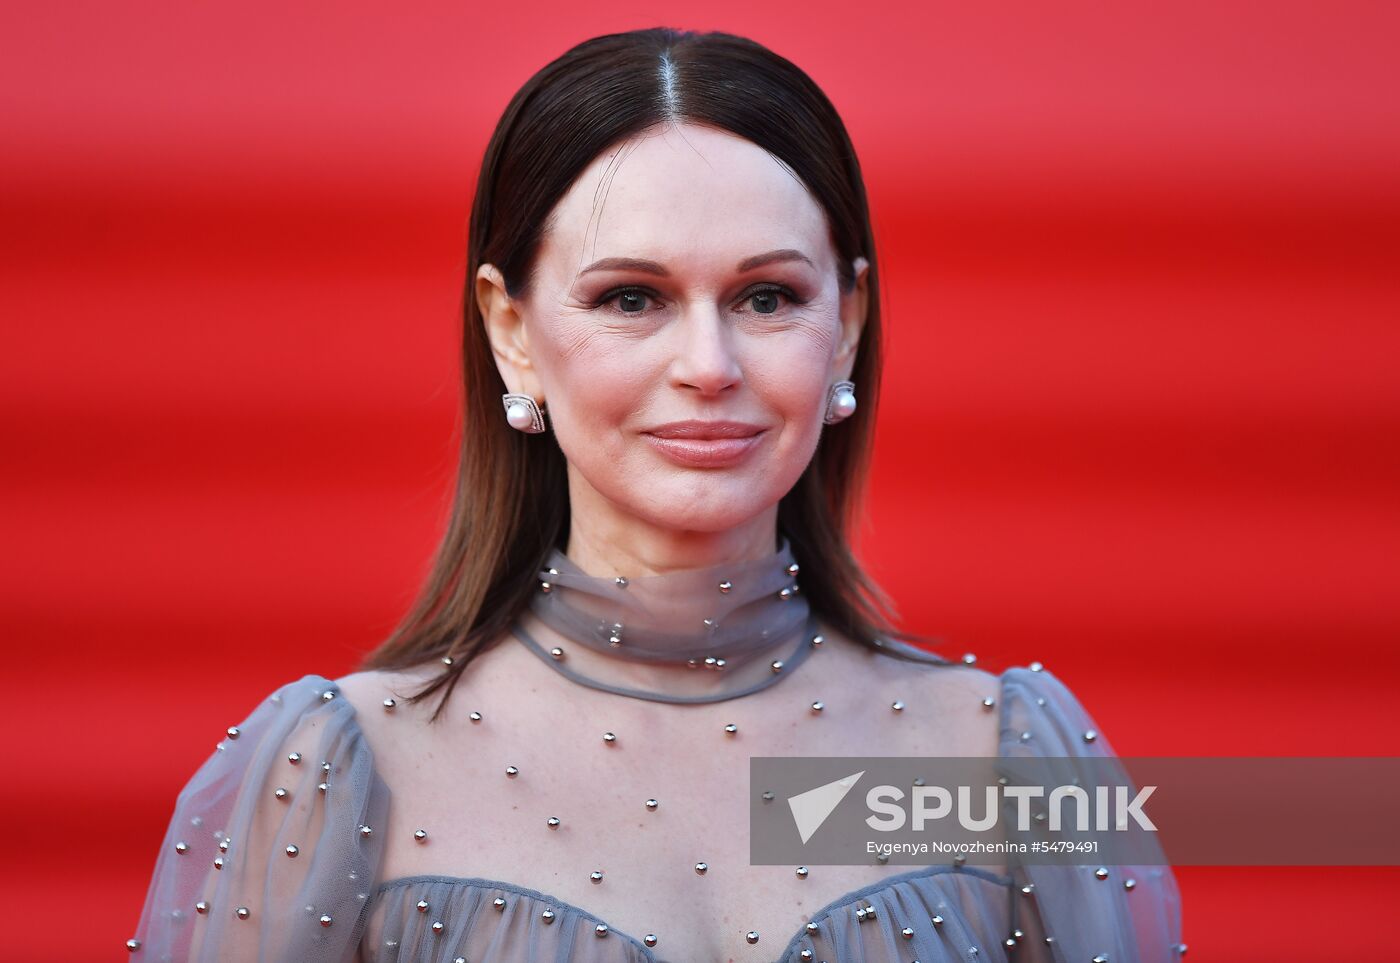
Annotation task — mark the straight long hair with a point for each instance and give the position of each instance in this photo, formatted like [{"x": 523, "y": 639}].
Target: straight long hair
[{"x": 510, "y": 507}]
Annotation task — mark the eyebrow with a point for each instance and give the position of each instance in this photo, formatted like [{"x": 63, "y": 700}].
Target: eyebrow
[{"x": 651, "y": 267}]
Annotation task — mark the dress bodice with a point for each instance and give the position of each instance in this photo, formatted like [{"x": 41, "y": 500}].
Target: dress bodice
[{"x": 290, "y": 843}]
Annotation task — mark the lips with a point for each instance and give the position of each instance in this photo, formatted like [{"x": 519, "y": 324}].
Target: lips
[
  {"x": 705, "y": 444},
  {"x": 706, "y": 430}
]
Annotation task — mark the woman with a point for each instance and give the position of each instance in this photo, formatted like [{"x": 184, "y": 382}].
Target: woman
[{"x": 645, "y": 582}]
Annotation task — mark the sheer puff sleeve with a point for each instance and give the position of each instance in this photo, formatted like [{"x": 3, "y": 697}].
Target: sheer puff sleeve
[
  {"x": 273, "y": 850},
  {"x": 1119, "y": 913}
]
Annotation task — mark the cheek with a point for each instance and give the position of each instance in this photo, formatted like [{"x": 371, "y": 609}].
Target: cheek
[
  {"x": 594, "y": 384},
  {"x": 791, "y": 380}
]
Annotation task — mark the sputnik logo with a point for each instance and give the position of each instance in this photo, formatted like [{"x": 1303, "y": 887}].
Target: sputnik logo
[{"x": 811, "y": 808}]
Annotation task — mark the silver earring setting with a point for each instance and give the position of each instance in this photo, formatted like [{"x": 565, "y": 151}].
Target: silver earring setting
[
  {"x": 840, "y": 402},
  {"x": 523, "y": 413}
]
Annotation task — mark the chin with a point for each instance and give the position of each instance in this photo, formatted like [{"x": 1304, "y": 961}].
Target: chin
[{"x": 708, "y": 514}]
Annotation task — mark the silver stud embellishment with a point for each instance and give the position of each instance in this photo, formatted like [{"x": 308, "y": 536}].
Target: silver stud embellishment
[
  {"x": 499, "y": 903},
  {"x": 365, "y": 831},
  {"x": 649, "y": 939},
  {"x": 802, "y": 872},
  {"x": 475, "y": 717},
  {"x": 421, "y": 835},
  {"x": 552, "y": 822},
  {"x": 600, "y": 930},
  {"x": 201, "y": 907},
  {"x": 437, "y": 927},
  {"x": 1101, "y": 873},
  {"x": 620, "y": 581},
  {"x": 1129, "y": 883},
  {"x": 751, "y": 936},
  {"x": 1090, "y": 735},
  {"x": 242, "y": 913},
  {"x": 731, "y": 729},
  {"x": 512, "y": 772},
  {"x": 609, "y": 738},
  {"x": 988, "y": 702},
  {"x": 557, "y": 653},
  {"x": 897, "y": 706},
  {"x": 292, "y": 852},
  {"x": 818, "y": 706},
  {"x": 776, "y": 665},
  {"x": 233, "y": 732},
  {"x": 1037, "y": 667},
  {"x": 218, "y": 862},
  {"x": 328, "y": 695},
  {"x": 133, "y": 945},
  {"x": 294, "y": 758},
  {"x": 596, "y": 876},
  {"x": 389, "y": 705},
  {"x": 969, "y": 659},
  {"x": 546, "y": 588},
  {"x": 785, "y": 593},
  {"x": 547, "y": 916},
  {"x": 817, "y": 640},
  {"x": 182, "y": 847},
  {"x": 725, "y": 586},
  {"x": 422, "y": 906},
  {"x": 793, "y": 569},
  {"x": 326, "y": 920},
  {"x": 701, "y": 868},
  {"x": 281, "y": 793},
  {"x": 652, "y": 804}
]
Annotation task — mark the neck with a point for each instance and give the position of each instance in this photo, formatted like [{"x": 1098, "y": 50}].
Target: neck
[
  {"x": 693, "y": 633},
  {"x": 605, "y": 542}
]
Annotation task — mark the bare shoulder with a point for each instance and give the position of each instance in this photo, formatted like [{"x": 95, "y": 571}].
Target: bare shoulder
[
  {"x": 901, "y": 662},
  {"x": 954, "y": 706}
]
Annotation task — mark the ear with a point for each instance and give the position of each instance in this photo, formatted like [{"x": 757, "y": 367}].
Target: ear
[
  {"x": 854, "y": 305},
  {"x": 505, "y": 329}
]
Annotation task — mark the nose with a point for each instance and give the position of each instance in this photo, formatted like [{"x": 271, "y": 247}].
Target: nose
[{"x": 706, "y": 357}]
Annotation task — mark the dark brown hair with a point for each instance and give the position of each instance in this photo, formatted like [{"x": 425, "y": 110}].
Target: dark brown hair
[{"x": 511, "y": 504}]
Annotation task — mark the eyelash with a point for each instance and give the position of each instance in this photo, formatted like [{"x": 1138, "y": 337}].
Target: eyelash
[{"x": 786, "y": 292}]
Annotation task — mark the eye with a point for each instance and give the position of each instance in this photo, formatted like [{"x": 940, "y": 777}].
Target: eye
[
  {"x": 629, "y": 298},
  {"x": 769, "y": 294}
]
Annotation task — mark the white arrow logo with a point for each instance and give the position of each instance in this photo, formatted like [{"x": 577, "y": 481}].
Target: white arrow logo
[{"x": 810, "y": 809}]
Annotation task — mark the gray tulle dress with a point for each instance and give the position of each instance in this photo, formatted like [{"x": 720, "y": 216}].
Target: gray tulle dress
[{"x": 295, "y": 842}]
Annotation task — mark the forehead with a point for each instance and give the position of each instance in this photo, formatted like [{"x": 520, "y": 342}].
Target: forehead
[{"x": 684, "y": 192}]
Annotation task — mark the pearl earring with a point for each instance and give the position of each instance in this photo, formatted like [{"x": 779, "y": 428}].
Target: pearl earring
[
  {"x": 840, "y": 402},
  {"x": 523, "y": 413}
]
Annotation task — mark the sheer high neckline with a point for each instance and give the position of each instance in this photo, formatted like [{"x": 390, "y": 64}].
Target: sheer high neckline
[{"x": 734, "y": 622}]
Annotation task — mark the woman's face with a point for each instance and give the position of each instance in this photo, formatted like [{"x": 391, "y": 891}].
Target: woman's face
[{"x": 686, "y": 276}]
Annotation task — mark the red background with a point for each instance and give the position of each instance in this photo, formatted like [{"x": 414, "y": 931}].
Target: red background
[{"x": 1139, "y": 423}]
